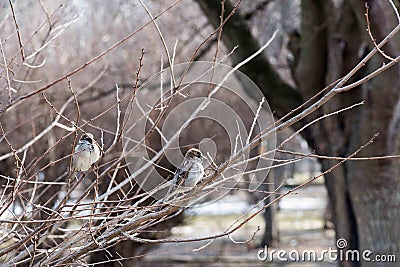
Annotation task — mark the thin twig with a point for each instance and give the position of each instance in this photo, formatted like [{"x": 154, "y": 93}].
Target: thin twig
[{"x": 21, "y": 47}]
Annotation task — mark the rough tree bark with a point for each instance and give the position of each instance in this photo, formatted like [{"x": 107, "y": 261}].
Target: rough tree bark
[
  {"x": 374, "y": 185},
  {"x": 364, "y": 195}
]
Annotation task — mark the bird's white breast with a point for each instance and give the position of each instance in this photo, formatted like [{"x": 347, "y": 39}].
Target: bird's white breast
[
  {"x": 195, "y": 173},
  {"x": 85, "y": 155}
]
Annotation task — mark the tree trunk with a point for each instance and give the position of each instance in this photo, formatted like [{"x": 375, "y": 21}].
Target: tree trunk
[
  {"x": 235, "y": 32},
  {"x": 364, "y": 194}
]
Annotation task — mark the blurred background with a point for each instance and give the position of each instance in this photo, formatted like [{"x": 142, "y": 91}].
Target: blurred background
[{"x": 317, "y": 43}]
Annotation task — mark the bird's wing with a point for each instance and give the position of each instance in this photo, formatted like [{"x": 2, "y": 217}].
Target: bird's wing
[
  {"x": 176, "y": 181},
  {"x": 180, "y": 176}
]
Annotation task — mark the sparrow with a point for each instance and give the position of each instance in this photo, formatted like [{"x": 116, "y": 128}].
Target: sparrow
[
  {"x": 86, "y": 153},
  {"x": 188, "y": 174}
]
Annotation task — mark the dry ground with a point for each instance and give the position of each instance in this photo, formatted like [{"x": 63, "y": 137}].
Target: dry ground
[{"x": 300, "y": 223}]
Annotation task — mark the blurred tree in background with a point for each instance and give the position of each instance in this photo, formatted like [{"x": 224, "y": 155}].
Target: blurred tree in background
[
  {"x": 331, "y": 40},
  {"x": 56, "y": 54}
]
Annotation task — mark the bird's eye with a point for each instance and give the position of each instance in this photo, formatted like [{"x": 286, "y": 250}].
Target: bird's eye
[{"x": 86, "y": 138}]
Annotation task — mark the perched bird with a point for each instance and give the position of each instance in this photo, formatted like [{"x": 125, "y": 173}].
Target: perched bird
[
  {"x": 188, "y": 174},
  {"x": 86, "y": 153}
]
